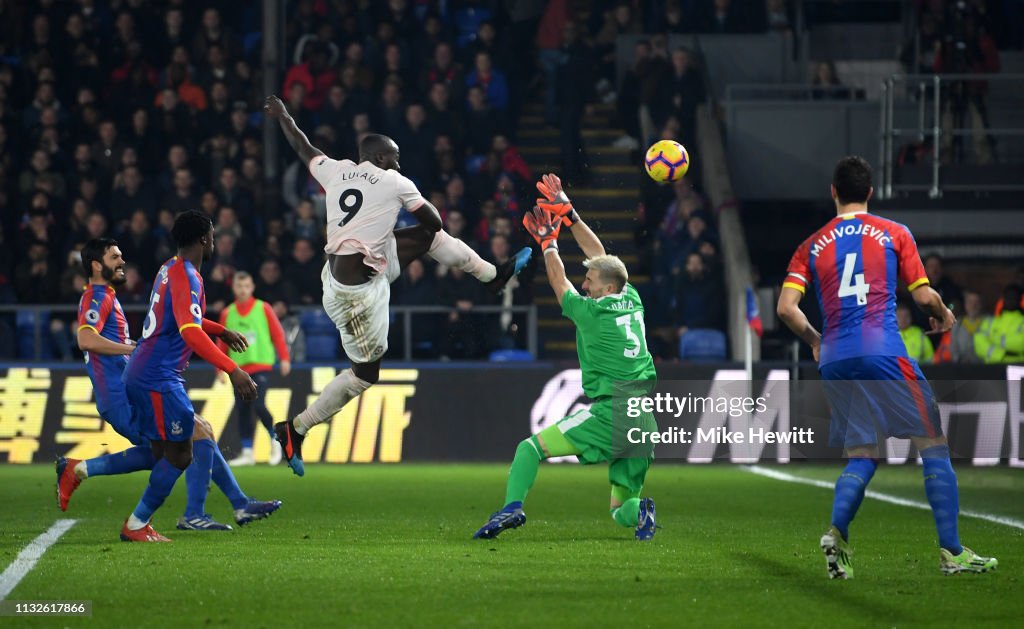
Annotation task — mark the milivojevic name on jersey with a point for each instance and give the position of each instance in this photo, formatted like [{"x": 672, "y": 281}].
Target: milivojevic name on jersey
[
  {"x": 860, "y": 229},
  {"x": 370, "y": 177}
]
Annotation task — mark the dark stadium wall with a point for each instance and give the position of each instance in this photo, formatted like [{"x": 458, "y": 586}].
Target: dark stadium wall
[{"x": 418, "y": 415}]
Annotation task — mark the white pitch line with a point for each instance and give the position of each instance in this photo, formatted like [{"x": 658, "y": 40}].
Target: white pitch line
[
  {"x": 29, "y": 556},
  {"x": 896, "y": 500}
]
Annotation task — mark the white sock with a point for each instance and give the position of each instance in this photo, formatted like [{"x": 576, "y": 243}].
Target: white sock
[
  {"x": 135, "y": 524},
  {"x": 81, "y": 470},
  {"x": 453, "y": 252},
  {"x": 338, "y": 392}
]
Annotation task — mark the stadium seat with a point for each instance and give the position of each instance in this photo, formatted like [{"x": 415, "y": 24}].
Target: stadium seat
[
  {"x": 467, "y": 21},
  {"x": 25, "y": 329},
  {"x": 510, "y": 355},
  {"x": 321, "y": 335},
  {"x": 702, "y": 345}
]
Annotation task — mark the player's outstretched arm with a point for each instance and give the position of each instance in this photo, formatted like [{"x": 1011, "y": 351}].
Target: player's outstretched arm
[
  {"x": 557, "y": 202},
  {"x": 790, "y": 313},
  {"x": 274, "y": 108},
  {"x": 544, "y": 227}
]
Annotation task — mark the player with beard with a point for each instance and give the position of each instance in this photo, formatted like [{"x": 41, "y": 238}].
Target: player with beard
[{"x": 103, "y": 336}]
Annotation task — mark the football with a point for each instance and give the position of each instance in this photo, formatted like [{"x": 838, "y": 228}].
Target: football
[{"x": 666, "y": 161}]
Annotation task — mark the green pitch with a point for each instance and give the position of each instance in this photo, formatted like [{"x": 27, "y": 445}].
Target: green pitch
[{"x": 390, "y": 546}]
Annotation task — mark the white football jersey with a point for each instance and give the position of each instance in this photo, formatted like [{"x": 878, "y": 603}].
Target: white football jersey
[{"x": 363, "y": 202}]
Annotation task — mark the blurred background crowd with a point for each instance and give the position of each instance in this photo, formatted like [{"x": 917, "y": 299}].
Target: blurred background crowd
[{"x": 117, "y": 114}]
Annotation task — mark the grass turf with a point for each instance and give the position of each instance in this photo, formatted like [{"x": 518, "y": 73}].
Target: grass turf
[{"x": 390, "y": 546}]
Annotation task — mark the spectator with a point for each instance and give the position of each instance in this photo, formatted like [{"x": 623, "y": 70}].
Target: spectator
[
  {"x": 314, "y": 74},
  {"x": 182, "y": 197},
  {"x": 416, "y": 141},
  {"x": 139, "y": 245},
  {"x": 722, "y": 16},
  {"x": 481, "y": 123},
  {"x": 687, "y": 91},
  {"x": 212, "y": 32},
  {"x": 444, "y": 69},
  {"x": 937, "y": 279},
  {"x": 304, "y": 273},
  {"x": 36, "y": 281},
  {"x": 918, "y": 346},
  {"x": 464, "y": 334},
  {"x": 177, "y": 158},
  {"x": 40, "y": 167},
  {"x": 306, "y": 225},
  {"x": 1001, "y": 339},
  {"x": 967, "y": 326},
  {"x": 619, "y": 21},
  {"x": 493, "y": 81},
  {"x": 391, "y": 112},
  {"x": 826, "y": 84},
  {"x": 575, "y": 84},
  {"x": 272, "y": 288},
  {"x": 227, "y": 223},
  {"x": 416, "y": 287},
  {"x": 549, "y": 41},
  {"x": 129, "y": 196},
  {"x": 699, "y": 298},
  {"x": 778, "y": 20},
  {"x": 230, "y": 192},
  {"x": 966, "y": 48},
  {"x": 443, "y": 117}
]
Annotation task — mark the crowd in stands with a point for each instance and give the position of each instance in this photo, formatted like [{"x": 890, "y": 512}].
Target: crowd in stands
[
  {"x": 115, "y": 116},
  {"x": 977, "y": 337}
]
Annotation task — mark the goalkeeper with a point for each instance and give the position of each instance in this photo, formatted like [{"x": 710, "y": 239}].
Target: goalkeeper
[{"x": 614, "y": 360}]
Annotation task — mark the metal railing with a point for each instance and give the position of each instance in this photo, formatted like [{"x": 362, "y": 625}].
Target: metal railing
[
  {"x": 405, "y": 312},
  {"x": 932, "y": 86},
  {"x": 791, "y": 91}
]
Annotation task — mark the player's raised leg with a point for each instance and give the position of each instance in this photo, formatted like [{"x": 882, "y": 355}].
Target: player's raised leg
[
  {"x": 414, "y": 242},
  {"x": 521, "y": 476},
  {"x": 71, "y": 472}
]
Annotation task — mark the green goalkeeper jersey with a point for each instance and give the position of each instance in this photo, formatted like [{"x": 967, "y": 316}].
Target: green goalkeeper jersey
[{"x": 610, "y": 340}]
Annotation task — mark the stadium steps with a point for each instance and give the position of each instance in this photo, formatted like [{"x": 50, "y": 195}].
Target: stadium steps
[{"x": 607, "y": 202}]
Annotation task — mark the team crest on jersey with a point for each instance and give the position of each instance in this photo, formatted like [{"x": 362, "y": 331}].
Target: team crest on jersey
[
  {"x": 92, "y": 316},
  {"x": 176, "y": 428},
  {"x": 196, "y": 311}
]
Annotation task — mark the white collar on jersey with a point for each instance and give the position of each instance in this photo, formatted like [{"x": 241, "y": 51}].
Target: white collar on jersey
[{"x": 851, "y": 214}]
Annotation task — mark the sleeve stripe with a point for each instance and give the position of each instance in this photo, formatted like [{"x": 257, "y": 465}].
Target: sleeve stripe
[
  {"x": 190, "y": 325},
  {"x": 417, "y": 206},
  {"x": 799, "y": 277},
  {"x": 86, "y": 325},
  {"x": 794, "y": 286},
  {"x": 918, "y": 283}
]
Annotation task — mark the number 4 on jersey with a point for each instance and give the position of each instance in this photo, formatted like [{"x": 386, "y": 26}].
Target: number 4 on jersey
[{"x": 852, "y": 284}]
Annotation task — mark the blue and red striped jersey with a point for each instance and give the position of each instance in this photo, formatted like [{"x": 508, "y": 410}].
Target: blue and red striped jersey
[
  {"x": 100, "y": 310},
  {"x": 854, "y": 263},
  {"x": 177, "y": 302}
]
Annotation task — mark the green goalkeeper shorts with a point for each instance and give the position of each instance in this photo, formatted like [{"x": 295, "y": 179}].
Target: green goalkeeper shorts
[{"x": 599, "y": 439}]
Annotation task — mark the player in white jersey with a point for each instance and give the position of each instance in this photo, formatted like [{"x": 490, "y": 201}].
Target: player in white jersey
[{"x": 365, "y": 253}]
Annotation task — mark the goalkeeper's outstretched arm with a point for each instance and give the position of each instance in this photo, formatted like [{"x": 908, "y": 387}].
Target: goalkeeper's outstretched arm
[
  {"x": 556, "y": 274},
  {"x": 586, "y": 238}
]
